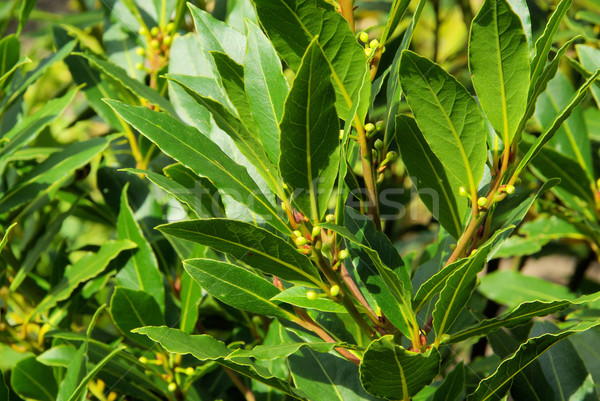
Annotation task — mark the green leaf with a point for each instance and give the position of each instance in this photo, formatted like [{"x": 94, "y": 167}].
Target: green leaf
[
  {"x": 52, "y": 172},
  {"x": 390, "y": 371},
  {"x": 217, "y": 36},
  {"x": 544, "y": 44},
  {"x": 120, "y": 45},
  {"x": 206, "y": 348},
  {"x": 498, "y": 383},
  {"x": 511, "y": 288},
  {"x": 437, "y": 189},
  {"x": 141, "y": 271},
  {"x": 292, "y": 25},
  {"x": 499, "y": 65},
  {"x": 266, "y": 88},
  {"x": 27, "y": 7},
  {"x": 195, "y": 151},
  {"x": 87, "y": 267},
  {"x": 254, "y": 246},
  {"x": 283, "y": 350},
  {"x": 236, "y": 286},
  {"x": 133, "y": 85},
  {"x": 31, "y": 379},
  {"x": 76, "y": 370},
  {"x": 457, "y": 136},
  {"x": 131, "y": 309},
  {"x": 590, "y": 59},
  {"x": 59, "y": 355},
  {"x": 190, "y": 297},
  {"x": 396, "y": 304},
  {"x": 556, "y": 124},
  {"x": 571, "y": 139},
  {"x": 82, "y": 385},
  {"x": 520, "y": 315},
  {"x": 309, "y": 155},
  {"x": 28, "y": 128},
  {"x": 10, "y": 50},
  {"x": 246, "y": 141},
  {"x": 6, "y": 235},
  {"x": 459, "y": 286},
  {"x": 453, "y": 385},
  {"x": 296, "y": 296}
]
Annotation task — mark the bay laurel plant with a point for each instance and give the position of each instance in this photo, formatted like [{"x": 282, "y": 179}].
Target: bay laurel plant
[{"x": 292, "y": 144}]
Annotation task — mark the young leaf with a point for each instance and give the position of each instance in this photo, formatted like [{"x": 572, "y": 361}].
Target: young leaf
[
  {"x": 252, "y": 245},
  {"x": 544, "y": 44},
  {"x": 520, "y": 315},
  {"x": 498, "y": 383},
  {"x": 292, "y": 25},
  {"x": 309, "y": 155},
  {"x": 131, "y": 309},
  {"x": 236, "y": 286},
  {"x": 437, "y": 189},
  {"x": 194, "y": 150},
  {"x": 266, "y": 88},
  {"x": 390, "y": 371},
  {"x": 206, "y": 348},
  {"x": 499, "y": 64},
  {"x": 141, "y": 271},
  {"x": 457, "y": 135}
]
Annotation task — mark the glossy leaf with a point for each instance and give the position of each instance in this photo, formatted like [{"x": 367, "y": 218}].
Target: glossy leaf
[
  {"x": 254, "y": 246},
  {"x": 141, "y": 271},
  {"x": 87, "y": 267},
  {"x": 499, "y": 65},
  {"x": 390, "y": 371},
  {"x": 236, "y": 286},
  {"x": 283, "y": 350},
  {"x": 437, "y": 189},
  {"x": 556, "y": 124},
  {"x": 512, "y": 288},
  {"x": 207, "y": 348},
  {"x": 31, "y": 379},
  {"x": 590, "y": 60},
  {"x": 520, "y": 315},
  {"x": 266, "y": 88},
  {"x": 30, "y": 127},
  {"x": 76, "y": 370},
  {"x": 571, "y": 139},
  {"x": 296, "y": 296},
  {"x": 190, "y": 297},
  {"x": 201, "y": 155},
  {"x": 498, "y": 383},
  {"x": 453, "y": 386},
  {"x": 10, "y": 50},
  {"x": 457, "y": 136},
  {"x": 292, "y": 25},
  {"x": 52, "y": 172},
  {"x": 309, "y": 155}
]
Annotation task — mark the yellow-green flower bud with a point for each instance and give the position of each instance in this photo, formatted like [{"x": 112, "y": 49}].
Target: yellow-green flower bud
[
  {"x": 172, "y": 386},
  {"x": 368, "y": 51},
  {"x": 482, "y": 202},
  {"x": 378, "y": 144},
  {"x": 369, "y": 127},
  {"x": 300, "y": 241},
  {"x": 343, "y": 254},
  {"x": 374, "y": 43},
  {"x": 155, "y": 44},
  {"x": 341, "y": 134},
  {"x": 316, "y": 231},
  {"x": 391, "y": 156},
  {"x": 168, "y": 40},
  {"x": 379, "y": 125},
  {"x": 330, "y": 218},
  {"x": 140, "y": 51},
  {"x": 143, "y": 31},
  {"x": 462, "y": 191},
  {"x": 170, "y": 27},
  {"x": 139, "y": 66},
  {"x": 510, "y": 189},
  {"x": 189, "y": 371},
  {"x": 297, "y": 233},
  {"x": 364, "y": 37},
  {"x": 334, "y": 291},
  {"x": 143, "y": 360},
  {"x": 154, "y": 31},
  {"x": 311, "y": 295}
]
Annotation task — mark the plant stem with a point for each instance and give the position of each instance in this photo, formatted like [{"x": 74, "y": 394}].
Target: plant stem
[
  {"x": 248, "y": 394},
  {"x": 347, "y": 11},
  {"x": 369, "y": 174}
]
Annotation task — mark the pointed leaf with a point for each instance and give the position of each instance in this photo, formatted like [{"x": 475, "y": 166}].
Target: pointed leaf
[
  {"x": 190, "y": 297},
  {"x": 309, "y": 155},
  {"x": 266, "y": 88},
  {"x": 437, "y": 189},
  {"x": 236, "y": 286},
  {"x": 296, "y": 296},
  {"x": 499, "y": 64},
  {"x": 254, "y": 246},
  {"x": 390, "y": 371},
  {"x": 76, "y": 370},
  {"x": 456, "y": 136},
  {"x": 141, "y": 271},
  {"x": 498, "y": 383},
  {"x": 31, "y": 379},
  {"x": 186, "y": 145}
]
